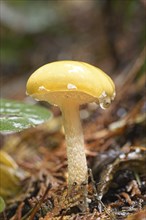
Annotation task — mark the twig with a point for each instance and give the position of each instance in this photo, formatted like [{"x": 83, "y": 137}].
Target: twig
[
  {"x": 19, "y": 212},
  {"x": 100, "y": 203},
  {"x": 38, "y": 205}
]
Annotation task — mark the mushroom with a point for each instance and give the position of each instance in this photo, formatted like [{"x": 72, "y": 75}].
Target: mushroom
[{"x": 69, "y": 84}]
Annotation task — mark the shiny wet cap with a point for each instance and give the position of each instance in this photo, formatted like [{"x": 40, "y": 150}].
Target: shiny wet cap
[{"x": 78, "y": 81}]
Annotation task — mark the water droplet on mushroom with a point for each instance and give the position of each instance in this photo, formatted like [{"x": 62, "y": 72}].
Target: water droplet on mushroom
[
  {"x": 102, "y": 105},
  {"x": 103, "y": 94},
  {"x": 104, "y": 102},
  {"x": 41, "y": 88},
  {"x": 113, "y": 96},
  {"x": 71, "y": 86}
]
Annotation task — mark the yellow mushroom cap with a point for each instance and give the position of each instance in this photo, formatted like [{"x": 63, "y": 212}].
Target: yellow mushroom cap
[{"x": 61, "y": 80}]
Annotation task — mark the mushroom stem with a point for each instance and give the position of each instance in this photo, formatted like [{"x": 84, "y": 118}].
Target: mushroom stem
[{"x": 77, "y": 164}]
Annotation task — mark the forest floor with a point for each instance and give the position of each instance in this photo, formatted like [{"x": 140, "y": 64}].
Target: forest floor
[{"x": 116, "y": 155}]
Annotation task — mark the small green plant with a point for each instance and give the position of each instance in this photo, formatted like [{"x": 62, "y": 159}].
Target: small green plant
[{"x": 16, "y": 116}]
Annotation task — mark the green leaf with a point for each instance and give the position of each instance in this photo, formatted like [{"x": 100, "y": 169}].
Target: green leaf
[
  {"x": 2, "y": 204},
  {"x": 16, "y": 116}
]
